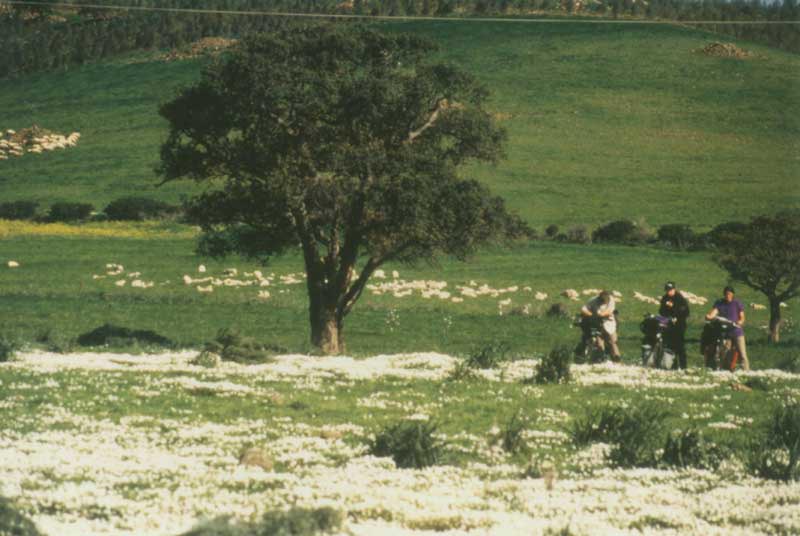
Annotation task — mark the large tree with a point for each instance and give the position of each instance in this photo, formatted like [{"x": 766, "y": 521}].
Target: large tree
[
  {"x": 342, "y": 141},
  {"x": 765, "y": 255}
]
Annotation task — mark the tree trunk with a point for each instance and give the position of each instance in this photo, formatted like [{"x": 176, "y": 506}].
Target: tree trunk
[
  {"x": 326, "y": 325},
  {"x": 326, "y": 331},
  {"x": 774, "y": 320}
]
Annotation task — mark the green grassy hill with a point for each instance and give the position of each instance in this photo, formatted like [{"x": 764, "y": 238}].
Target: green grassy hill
[{"x": 605, "y": 121}]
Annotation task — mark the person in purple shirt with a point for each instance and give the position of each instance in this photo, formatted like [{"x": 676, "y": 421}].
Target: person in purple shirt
[{"x": 732, "y": 309}]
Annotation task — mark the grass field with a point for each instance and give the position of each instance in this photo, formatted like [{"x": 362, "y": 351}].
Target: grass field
[
  {"x": 604, "y": 122},
  {"x": 53, "y": 294}
]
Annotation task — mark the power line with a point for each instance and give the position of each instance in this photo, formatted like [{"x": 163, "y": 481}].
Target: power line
[{"x": 402, "y": 18}]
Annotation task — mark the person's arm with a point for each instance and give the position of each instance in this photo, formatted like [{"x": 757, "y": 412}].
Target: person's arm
[
  {"x": 586, "y": 312},
  {"x": 712, "y": 314},
  {"x": 741, "y": 317},
  {"x": 682, "y": 308}
]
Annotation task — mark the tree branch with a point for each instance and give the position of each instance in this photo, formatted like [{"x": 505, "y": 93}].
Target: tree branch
[
  {"x": 355, "y": 290},
  {"x": 414, "y": 134}
]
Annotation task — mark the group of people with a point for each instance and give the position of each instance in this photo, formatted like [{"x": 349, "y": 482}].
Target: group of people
[{"x": 673, "y": 306}]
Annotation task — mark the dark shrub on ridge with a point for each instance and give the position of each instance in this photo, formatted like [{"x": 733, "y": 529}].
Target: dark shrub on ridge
[
  {"x": 620, "y": 232},
  {"x": 138, "y": 209},
  {"x": 69, "y": 212},
  {"x": 676, "y": 236},
  {"x": 18, "y": 210}
]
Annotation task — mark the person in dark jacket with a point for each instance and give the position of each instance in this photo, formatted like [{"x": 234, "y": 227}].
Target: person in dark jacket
[{"x": 674, "y": 306}]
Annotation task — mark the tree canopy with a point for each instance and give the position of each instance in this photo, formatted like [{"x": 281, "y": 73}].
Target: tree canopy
[
  {"x": 765, "y": 255},
  {"x": 344, "y": 141}
]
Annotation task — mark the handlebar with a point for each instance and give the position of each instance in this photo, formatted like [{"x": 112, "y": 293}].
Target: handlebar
[{"x": 724, "y": 321}]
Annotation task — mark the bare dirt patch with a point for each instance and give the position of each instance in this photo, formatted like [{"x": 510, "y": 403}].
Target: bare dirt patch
[
  {"x": 724, "y": 50},
  {"x": 207, "y": 46}
]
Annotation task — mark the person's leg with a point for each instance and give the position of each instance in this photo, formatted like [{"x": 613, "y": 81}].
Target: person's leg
[
  {"x": 742, "y": 347},
  {"x": 611, "y": 339},
  {"x": 680, "y": 347}
]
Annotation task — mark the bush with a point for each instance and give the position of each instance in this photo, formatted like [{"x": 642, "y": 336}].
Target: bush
[
  {"x": 301, "y": 521},
  {"x": 8, "y": 347},
  {"x": 777, "y": 454},
  {"x": 230, "y": 345},
  {"x": 620, "y": 232},
  {"x": 293, "y": 522},
  {"x": 578, "y": 235},
  {"x": 222, "y": 526},
  {"x": 55, "y": 342},
  {"x": 69, "y": 212},
  {"x": 411, "y": 444},
  {"x": 18, "y": 210},
  {"x": 489, "y": 356},
  {"x": 790, "y": 363},
  {"x": 551, "y": 231},
  {"x": 558, "y": 310},
  {"x": 13, "y": 523},
  {"x": 108, "y": 334},
  {"x": 634, "y": 433},
  {"x": 138, "y": 209},
  {"x": 676, "y": 236},
  {"x": 554, "y": 367},
  {"x": 689, "y": 448},
  {"x": 206, "y": 359}
]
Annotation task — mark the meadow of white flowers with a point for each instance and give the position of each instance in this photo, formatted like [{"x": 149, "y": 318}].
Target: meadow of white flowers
[{"x": 141, "y": 475}]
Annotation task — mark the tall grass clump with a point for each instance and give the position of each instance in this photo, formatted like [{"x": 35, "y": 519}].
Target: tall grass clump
[
  {"x": 411, "y": 444},
  {"x": 690, "y": 448},
  {"x": 635, "y": 433},
  {"x": 776, "y": 455},
  {"x": 230, "y": 345},
  {"x": 489, "y": 355},
  {"x": 8, "y": 347},
  {"x": 554, "y": 367},
  {"x": 13, "y": 523},
  {"x": 512, "y": 435}
]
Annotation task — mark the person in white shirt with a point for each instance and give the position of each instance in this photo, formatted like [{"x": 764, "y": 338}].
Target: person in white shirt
[{"x": 601, "y": 309}]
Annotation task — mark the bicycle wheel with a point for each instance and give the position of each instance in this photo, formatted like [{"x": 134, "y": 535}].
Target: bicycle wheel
[
  {"x": 658, "y": 354},
  {"x": 723, "y": 356}
]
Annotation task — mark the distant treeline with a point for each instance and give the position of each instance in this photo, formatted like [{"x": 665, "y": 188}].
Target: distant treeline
[
  {"x": 40, "y": 38},
  {"x": 39, "y": 41}
]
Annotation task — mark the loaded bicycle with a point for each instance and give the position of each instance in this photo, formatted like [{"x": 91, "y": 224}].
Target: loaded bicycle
[
  {"x": 719, "y": 351},
  {"x": 656, "y": 352}
]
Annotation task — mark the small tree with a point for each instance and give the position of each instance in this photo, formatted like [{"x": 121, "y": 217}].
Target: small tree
[
  {"x": 344, "y": 142},
  {"x": 765, "y": 255}
]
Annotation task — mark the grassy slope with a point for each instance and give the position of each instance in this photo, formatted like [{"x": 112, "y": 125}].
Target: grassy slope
[{"x": 604, "y": 122}]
